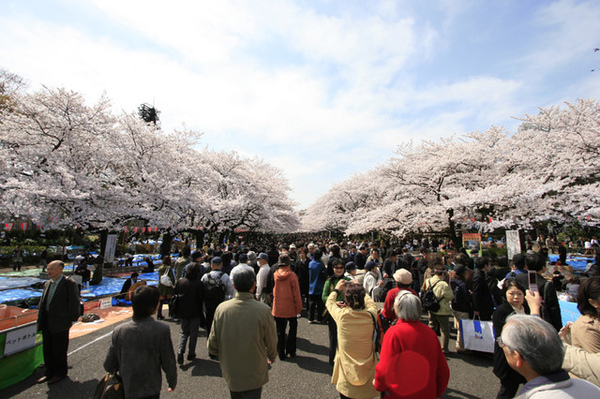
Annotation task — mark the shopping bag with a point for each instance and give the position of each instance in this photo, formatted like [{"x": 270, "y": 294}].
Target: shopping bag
[{"x": 477, "y": 335}]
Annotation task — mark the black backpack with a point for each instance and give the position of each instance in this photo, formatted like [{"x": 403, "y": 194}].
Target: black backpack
[
  {"x": 429, "y": 300},
  {"x": 214, "y": 289}
]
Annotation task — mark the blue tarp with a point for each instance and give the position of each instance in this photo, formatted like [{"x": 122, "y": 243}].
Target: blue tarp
[
  {"x": 109, "y": 286},
  {"x": 18, "y": 294},
  {"x": 18, "y": 282},
  {"x": 568, "y": 311},
  {"x": 578, "y": 263}
]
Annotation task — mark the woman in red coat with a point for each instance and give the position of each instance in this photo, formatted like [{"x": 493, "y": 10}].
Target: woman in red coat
[
  {"x": 412, "y": 364},
  {"x": 287, "y": 304}
]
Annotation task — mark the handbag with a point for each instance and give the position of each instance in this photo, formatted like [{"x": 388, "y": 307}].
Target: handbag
[
  {"x": 478, "y": 335},
  {"x": 165, "y": 280},
  {"x": 110, "y": 387}
]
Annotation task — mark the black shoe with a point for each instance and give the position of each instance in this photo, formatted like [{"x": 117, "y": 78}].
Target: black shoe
[
  {"x": 56, "y": 379},
  {"x": 180, "y": 358},
  {"x": 191, "y": 356},
  {"x": 213, "y": 357}
]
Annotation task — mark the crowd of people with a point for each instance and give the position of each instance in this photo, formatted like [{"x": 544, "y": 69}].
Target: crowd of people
[{"x": 249, "y": 299}]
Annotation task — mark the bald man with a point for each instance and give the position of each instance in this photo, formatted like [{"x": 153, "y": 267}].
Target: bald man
[{"x": 58, "y": 309}]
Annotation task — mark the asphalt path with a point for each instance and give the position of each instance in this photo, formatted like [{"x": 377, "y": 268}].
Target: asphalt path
[{"x": 308, "y": 375}]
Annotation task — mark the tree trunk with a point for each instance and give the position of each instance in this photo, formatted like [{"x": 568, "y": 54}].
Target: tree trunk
[
  {"x": 456, "y": 240},
  {"x": 97, "y": 276},
  {"x": 165, "y": 246},
  {"x": 222, "y": 236},
  {"x": 199, "y": 234}
]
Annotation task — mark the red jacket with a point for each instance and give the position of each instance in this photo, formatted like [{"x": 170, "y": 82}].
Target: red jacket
[
  {"x": 412, "y": 364},
  {"x": 388, "y": 307},
  {"x": 287, "y": 301}
]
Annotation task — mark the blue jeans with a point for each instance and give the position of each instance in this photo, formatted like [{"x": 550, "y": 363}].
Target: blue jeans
[{"x": 189, "y": 329}]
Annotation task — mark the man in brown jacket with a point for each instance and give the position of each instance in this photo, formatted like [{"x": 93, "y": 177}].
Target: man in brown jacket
[{"x": 244, "y": 339}]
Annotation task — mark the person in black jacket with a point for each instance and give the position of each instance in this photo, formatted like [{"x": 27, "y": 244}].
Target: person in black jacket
[
  {"x": 301, "y": 270},
  {"x": 483, "y": 306},
  {"x": 550, "y": 307},
  {"x": 189, "y": 292},
  {"x": 462, "y": 303},
  {"x": 59, "y": 308},
  {"x": 361, "y": 257},
  {"x": 514, "y": 302}
]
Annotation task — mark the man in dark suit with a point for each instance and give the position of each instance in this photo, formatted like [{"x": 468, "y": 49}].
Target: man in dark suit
[
  {"x": 483, "y": 305},
  {"x": 59, "y": 308}
]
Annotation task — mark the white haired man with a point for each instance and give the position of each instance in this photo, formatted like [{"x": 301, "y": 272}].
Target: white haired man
[{"x": 533, "y": 348}]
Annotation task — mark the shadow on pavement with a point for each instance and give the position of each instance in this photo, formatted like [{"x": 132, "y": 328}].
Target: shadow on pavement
[
  {"x": 68, "y": 388},
  {"x": 454, "y": 394},
  {"x": 480, "y": 359},
  {"x": 203, "y": 367},
  {"x": 311, "y": 364},
  {"x": 307, "y": 346}
]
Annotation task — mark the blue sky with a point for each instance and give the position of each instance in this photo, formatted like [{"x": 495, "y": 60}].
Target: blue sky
[{"x": 321, "y": 89}]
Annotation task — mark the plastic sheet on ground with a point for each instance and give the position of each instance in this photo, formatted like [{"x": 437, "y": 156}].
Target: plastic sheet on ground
[
  {"x": 568, "y": 311},
  {"x": 109, "y": 286},
  {"x": 18, "y": 294},
  {"x": 23, "y": 282},
  {"x": 578, "y": 263}
]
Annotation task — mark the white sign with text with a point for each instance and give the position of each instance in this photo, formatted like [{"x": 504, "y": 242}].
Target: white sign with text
[{"x": 19, "y": 339}]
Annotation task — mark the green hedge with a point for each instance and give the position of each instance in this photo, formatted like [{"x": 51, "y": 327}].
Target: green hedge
[{"x": 31, "y": 254}]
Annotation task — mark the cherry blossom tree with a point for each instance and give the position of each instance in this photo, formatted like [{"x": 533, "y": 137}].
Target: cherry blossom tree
[
  {"x": 67, "y": 163},
  {"x": 548, "y": 171}
]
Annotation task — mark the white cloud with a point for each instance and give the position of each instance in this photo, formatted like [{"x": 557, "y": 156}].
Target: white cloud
[{"x": 320, "y": 95}]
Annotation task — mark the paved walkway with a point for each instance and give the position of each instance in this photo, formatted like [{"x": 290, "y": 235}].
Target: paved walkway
[{"x": 306, "y": 376}]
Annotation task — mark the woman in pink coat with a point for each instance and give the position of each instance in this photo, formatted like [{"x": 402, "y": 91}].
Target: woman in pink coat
[{"x": 287, "y": 304}]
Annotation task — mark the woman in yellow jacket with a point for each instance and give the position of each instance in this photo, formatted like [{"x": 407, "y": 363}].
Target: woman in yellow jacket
[
  {"x": 444, "y": 295},
  {"x": 354, "y": 368}
]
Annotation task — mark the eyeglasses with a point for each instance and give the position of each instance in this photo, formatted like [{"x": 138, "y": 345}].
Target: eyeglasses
[{"x": 501, "y": 343}]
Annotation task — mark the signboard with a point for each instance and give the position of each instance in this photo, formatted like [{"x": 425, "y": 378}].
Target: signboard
[
  {"x": 111, "y": 246},
  {"x": 19, "y": 339},
  {"x": 513, "y": 243},
  {"x": 105, "y": 303},
  {"x": 471, "y": 240}
]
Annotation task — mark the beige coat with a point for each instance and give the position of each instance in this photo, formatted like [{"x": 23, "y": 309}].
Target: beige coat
[
  {"x": 355, "y": 360},
  {"x": 443, "y": 293},
  {"x": 244, "y": 337},
  {"x": 582, "y": 364},
  {"x": 585, "y": 333}
]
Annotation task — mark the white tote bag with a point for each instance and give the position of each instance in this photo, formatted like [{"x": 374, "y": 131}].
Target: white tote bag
[
  {"x": 478, "y": 335},
  {"x": 165, "y": 279}
]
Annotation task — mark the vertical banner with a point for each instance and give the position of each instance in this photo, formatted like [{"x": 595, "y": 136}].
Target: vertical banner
[
  {"x": 111, "y": 246},
  {"x": 513, "y": 243},
  {"x": 8, "y": 226}
]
